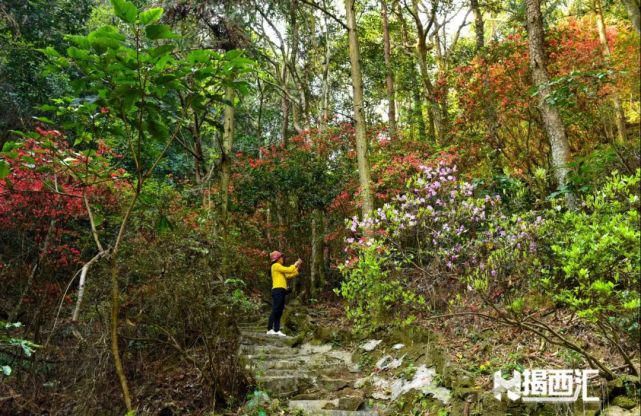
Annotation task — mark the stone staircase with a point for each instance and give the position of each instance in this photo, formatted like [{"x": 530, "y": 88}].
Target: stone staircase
[{"x": 317, "y": 379}]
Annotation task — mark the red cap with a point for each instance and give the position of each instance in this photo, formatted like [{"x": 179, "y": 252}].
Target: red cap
[{"x": 275, "y": 255}]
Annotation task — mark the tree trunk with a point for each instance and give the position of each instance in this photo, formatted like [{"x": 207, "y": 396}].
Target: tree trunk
[
  {"x": 228, "y": 141},
  {"x": 433, "y": 109},
  {"x": 552, "y": 123},
  {"x": 115, "y": 300},
  {"x": 284, "y": 106},
  {"x": 389, "y": 76},
  {"x": 317, "y": 269},
  {"x": 417, "y": 110},
  {"x": 359, "y": 115},
  {"x": 619, "y": 115},
  {"x": 479, "y": 27},
  {"x": 634, "y": 11},
  {"x": 325, "y": 104}
]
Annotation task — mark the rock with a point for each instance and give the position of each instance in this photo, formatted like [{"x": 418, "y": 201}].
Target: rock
[
  {"x": 624, "y": 402},
  {"x": 389, "y": 362},
  {"x": 311, "y": 405},
  {"x": 333, "y": 384},
  {"x": 619, "y": 411},
  {"x": 397, "y": 346},
  {"x": 464, "y": 393},
  {"x": 350, "y": 402},
  {"x": 361, "y": 382},
  {"x": 423, "y": 381},
  {"x": 309, "y": 349},
  {"x": 370, "y": 345},
  {"x": 381, "y": 388}
]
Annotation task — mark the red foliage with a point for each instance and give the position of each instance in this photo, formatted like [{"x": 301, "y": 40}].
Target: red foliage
[{"x": 42, "y": 196}]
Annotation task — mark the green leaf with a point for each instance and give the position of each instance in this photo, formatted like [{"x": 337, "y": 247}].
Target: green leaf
[
  {"x": 76, "y": 53},
  {"x": 163, "y": 225},
  {"x": 9, "y": 146},
  {"x": 44, "y": 119},
  {"x": 4, "y": 169},
  {"x": 49, "y": 51},
  {"x": 151, "y": 15},
  {"x": 6, "y": 370},
  {"x": 80, "y": 41},
  {"x": 125, "y": 10},
  {"x": 162, "y": 50},
  {"x": 106, "y": 36},
  {"x": 199, "y": 55},
  {"x": 155, "y": 32}
]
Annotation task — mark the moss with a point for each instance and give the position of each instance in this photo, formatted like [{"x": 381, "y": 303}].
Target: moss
[{"x": 624, "y": 402}]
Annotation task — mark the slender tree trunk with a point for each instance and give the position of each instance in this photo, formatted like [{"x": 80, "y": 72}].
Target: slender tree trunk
[
  {"x": 318, "y": 251},
  {"x": 433, "y": 109},
  {"x": 552, "y": 123},
  {"x": 634, "y": 11},
  {"x": 417, "y": 111},
  {"x": 359, "y": 115},
  {"x": 261, "y": 102},
  {"x": 115, "y": 300},
  {"x": 479, "y": 26},
  {"x": 389, "y": 76},
  {"x": 313, "y": 272},
  {"x": 619, "y": 115},
  {"x": 325, "y": 103},
  {"x": 228, "y": 141},
  {"x": 284, "y": 106}
]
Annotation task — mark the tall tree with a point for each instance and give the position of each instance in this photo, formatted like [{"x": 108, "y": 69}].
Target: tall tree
[
  {"x": 479, "y": 26},
  {"x": 359, "y": 115},
  {"x": 619, "y": 115},
  {"x": 422, "y": 30},
  {"x": 634, "y": 10},
  {"x": 552, "y": 123},
  {"x": 228, "y": 142},
  {"x": 389, "y": 75}
]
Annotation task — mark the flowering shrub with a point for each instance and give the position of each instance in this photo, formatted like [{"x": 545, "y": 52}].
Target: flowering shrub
[
  {"x": 441, "y": 237},
  {"x": 427, "y": 240},
  {"x": 445, "y": 236}
]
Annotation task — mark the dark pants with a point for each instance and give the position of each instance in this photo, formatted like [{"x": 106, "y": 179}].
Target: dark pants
[{"x": 278, "y": 305}]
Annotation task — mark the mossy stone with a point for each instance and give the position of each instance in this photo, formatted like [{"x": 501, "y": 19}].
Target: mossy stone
[{"x": 624, "y": 402}]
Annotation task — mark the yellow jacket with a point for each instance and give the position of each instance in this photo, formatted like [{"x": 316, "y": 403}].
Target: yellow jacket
[{"x": 281, "y": 273}]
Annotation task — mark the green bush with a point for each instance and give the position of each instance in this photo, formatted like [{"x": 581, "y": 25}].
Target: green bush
[
  {"x": 596, "y": 255},
  {"x": 374, "y": 294}
]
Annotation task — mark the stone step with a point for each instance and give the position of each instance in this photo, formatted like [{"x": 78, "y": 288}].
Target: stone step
[
  {"x": 311, "y": 405},
  {"x": 333, "y": 384},
  {"x": 261, "y": 338},
  {"x": 283, "y": 386},
  {"x": 267, "y": 358},
  {"x": 280, "y": 364},
  {"x": 249, "y": 349},
  {"x": 315, "y": 407},
  {"x": 299, "y": 363}
]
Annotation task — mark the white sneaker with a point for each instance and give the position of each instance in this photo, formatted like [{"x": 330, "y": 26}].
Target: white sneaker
[
  {"x": 271, "y": 332},
  {"x": 279, "y": 333}
]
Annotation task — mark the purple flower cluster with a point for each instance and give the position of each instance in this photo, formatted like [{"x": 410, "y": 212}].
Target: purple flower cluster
[{"x": 439, "y": 220}]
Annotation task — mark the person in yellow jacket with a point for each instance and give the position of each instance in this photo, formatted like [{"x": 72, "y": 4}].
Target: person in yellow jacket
[{"x": 280, "y": 275}]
